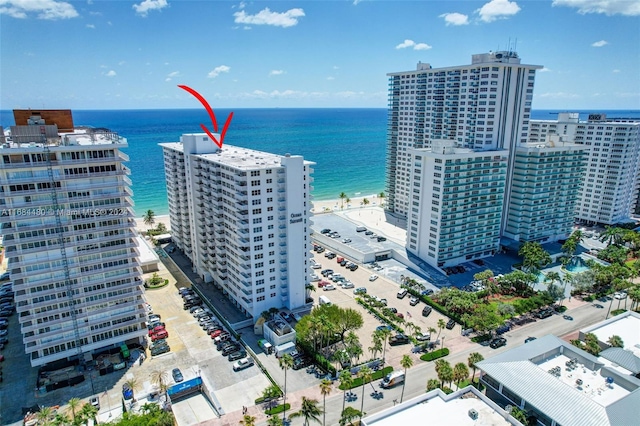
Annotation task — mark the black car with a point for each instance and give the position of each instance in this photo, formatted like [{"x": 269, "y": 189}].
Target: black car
[
  {"x": 398, "y": 339},
  {"x": 368, "y": 233},
  {"x": 228, "y": 350},
  {"x": 450, "y": 324},
  {"x": 325, "y": 231},
  {"x": 157, "y": 350},
  {"x": 497, "y": 342},
  {"x": 177, "y": 375},
  {"x": 426, "y": 311},
  {"x": 529, "y": 339},
  {"x": 234, "y": 356},
  {"x": 545, "y": 313},
  {"x": 343, "y": 263},
  {"x": 381, "y": 239},
  {"x": 353, "y": 267},
  {"x": 224, "y": 344},
  {"x": 301, "y": 362}
]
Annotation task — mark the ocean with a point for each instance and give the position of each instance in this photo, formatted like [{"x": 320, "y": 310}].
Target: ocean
[{"x": 348, "y": 145}]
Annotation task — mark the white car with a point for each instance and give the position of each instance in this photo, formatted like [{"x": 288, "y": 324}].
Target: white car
[
  {"x": 347, "y": 284},
  {"x": 373, "y": 277},
  {"x": 620, "y": 295},
  {"x": 346, "y": 240},
  {"x": 316, "y": 266},
  {"x": 329, "y": 287},
  {"x": 243, "y": 363}
]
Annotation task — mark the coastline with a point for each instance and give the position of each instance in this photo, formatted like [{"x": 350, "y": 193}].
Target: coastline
[{"x": 319, "y": 207}]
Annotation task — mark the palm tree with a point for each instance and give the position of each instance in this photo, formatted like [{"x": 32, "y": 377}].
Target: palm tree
[
  {"x": 405, "y": 362},
  {"x": 381, "y": 196},
  {"x": 431, "y": 330},
  {"x": 365, "y": 202},
  {"x": 74, "y": 403},
  {"x": 274, "y": 421},
  {"x": 286, "y": 362},
  {"x": 384, "y": 334},
  {"x": 615, "y": 341},
  {"x": 88, "y": 411},
  {"x": 132, "y": 383},
  {"x": 309, "y": 410},
  {"x": 612, "y": 235},
  {"x": 61, "y": 419},
  {"x": 365, "y": 374},
  {"x": 44, "y": 414},
  {"x": 444, "y": 371},
  {"x": 160, "y": 378},
  {"x": 342, "y": 197},
  {"x": 248, "y": 420},
  {"x": 349, "y": 414},
  {"x": 432, "y": 384},
  {"x": 460, "y": 372},
  {"x": 346, "y": 381},
  {"x": 149, "y": 218},
  {"x": 347, "y": 200},
  {"x": 441, "y": 326},
  {"x": 325, "y": 389},
  {"x": 474, "y": 358}
]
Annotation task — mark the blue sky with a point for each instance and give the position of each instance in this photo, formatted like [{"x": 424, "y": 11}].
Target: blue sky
[{"x": 116, "y": 54}]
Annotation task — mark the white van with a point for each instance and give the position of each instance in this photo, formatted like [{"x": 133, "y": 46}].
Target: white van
[
  {"x": 402, "y": 293},
  {"x": 324, "y": 300}
]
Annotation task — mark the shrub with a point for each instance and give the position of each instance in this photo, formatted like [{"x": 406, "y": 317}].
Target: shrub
[
  {"x": 481, "y": 338},
  {"x": 447, "y": 390},
  {"x": 618, "y": 312},
  {"x": 375, "y": 376},
  {"x": 439, "y": 353},
  {"x": 277, "y": 409}
]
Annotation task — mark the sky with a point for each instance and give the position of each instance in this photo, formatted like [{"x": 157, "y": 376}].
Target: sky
[{"x": 117, "y": 54}]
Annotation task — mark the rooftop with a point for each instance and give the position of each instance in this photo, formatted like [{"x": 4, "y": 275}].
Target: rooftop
[
  {"x": 457, "y": 408},
  {"x": 25, "y": 137},
  {"x": 626, "y": 325}
]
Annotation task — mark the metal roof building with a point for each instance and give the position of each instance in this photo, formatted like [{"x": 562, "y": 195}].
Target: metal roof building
[{"x": 561, "y": 384}]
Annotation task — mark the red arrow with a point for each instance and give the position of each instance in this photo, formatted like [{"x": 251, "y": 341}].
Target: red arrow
[{"x": 212, "y": 116}]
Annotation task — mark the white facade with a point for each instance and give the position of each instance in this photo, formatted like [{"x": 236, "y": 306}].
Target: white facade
[
  {"x": 456, "y": 203},
  {"x": 482, "y": 106},
  {"x": 242, "y": 218},
  {"x": 545, "y": 187},
  {"x": 610, "y": 188},
  {"x": 69, "y": 234}
]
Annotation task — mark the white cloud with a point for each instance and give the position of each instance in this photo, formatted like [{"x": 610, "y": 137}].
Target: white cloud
[
  {"x": 455, "y": 18},
  {"x": 276, "y": 72},
  {"x": 421, "y": 46},
  {"x": 544, "y": 69},
  {"x": 147, "y": 5},
  {"x": 217, "y": 70},
  {"x": 331, "y": 78},
  {"x": 171, "y": 75},
  {"x": 607, "y": 7},
  {"x": 616, "y": 71},
  {"x": 405, "y": 44},
  {"x": 497, "y": 9},
  {"x": 93, "y": 27},
  {"x": 267, "y": 17},
  {"x": 44, "y": 9},
  {"x": 335, "y": 67},
  {"x": 558, "y": 95},
  {"x": 600, "y": 43},
  {"x": 111, "y": 73},
  {"x": 411, "y": 43}
]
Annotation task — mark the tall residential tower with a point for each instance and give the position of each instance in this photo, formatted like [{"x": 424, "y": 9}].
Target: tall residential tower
[
  {"x": 69, "y": 235},
  {"x": 242, "y": 218}
]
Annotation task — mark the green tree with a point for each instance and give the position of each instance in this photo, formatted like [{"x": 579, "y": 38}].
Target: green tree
[
  {"x": 286, "y": 362},
  {"x": 274, "y": 421},
  {"x": 365, "y": 374},
  {"x": 248, "y": 420},
  {"x": 612, "y": 235},
  {"x": 346, "y": 381},
  {"x": 365, "y": 202},
  {"x": 384, "y": 334},
  {"x": 160, "y": 378},
  {"x": 432, "y": 384},
  {"x": 133, "y": 384},
  {"x": 534, "y": 257},
  {"x": 591, "y": 344},
  {"x": 149, "y": 218},
  {"x": 474, "y": 358},
  {"x": 309, "y": 410},
  {"x": 616, "y": 341},
  {"x": 460, "y": 373},
  {"x": 342, "y": 198},
  {"x": 325, "y": 389},
  {"x": 381, "y": 196},
  {"x": 405, "y": 362},
  {"x": 161, "y": 228},
  {"x": 444, "y": 371},
  {"x": 441, "y": 326},
  {"x": 74, "y": 404},
  {"x": 349, "y": 414},
  {"x": 44, "y": 415},
  {"x": 89, "y": 412}
]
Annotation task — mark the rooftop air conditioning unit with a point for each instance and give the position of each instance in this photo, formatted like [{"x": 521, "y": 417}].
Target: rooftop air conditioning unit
[{"x": 473, "y": 414}]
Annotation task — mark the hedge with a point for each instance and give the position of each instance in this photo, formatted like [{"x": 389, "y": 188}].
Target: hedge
[
  {"x": 391, "y": 319},
  {"x": 278, "y": 409},
  {"x": 318, "y": 358},
  {"x": 375, "y": 376},
  {"x": 439, "y": 353},
  {"x": 438, "y": 307}
]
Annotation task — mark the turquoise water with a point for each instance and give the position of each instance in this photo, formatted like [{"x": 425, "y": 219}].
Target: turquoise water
[{"x": 348, "y": 145}]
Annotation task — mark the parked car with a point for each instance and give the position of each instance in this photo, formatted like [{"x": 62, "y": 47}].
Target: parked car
[
  {"x": 95, "y": 402},
  {"x": 497, "y": 342},
  {"x": 234, "y": 356},
  {"x": 346, "y": 240},
  {"x": 545, "y": 313},
  {"x": 373, "y": 277},
  {"x": 413, "y": 301},
  {"x": 347, "y": 284},
  {"x": 329, "y": 287},
  {"x": 325, "y": 231},
  {"x": 423, "y": 337},
  {"x": 156, "y": 329},
  {"x": 242, "y": 364},
  {"x": 450, "y": 324},
  {"x": 360, "y": 290},
  {"x": 177, "y": 375},
  {"x": 426, "y": 311},
  {"x": 398, "y": 339},
  {"x": 162, "y": 334},
  {"x": 529, "y": 339},
  {"x": 316, "y": 266},
  {"x": 620, "y": 295},
  {"x": 127, "y": 392},
  {"x": 381, "y": 239},
  {"x": 352, "y": 267},
  {"x": 158, "y": 350},
  {"x": 384, "y": 327}
]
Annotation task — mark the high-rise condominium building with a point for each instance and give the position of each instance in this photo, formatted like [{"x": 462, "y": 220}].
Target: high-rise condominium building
[
  {"x": 242, "y": 218},
  {"x": 69, "y": 236},
  {"x": 610, "y": 189},
  {"x": 456, "y": 203},
  {"x": 483, "y": 106}
]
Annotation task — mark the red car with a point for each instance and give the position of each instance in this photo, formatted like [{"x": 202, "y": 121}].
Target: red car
[
  {"x": 216, "y": 333},
  {"x": 156, "y": 329},
  {"x": 323, "y": 283},
  {"x": 162, "y": 334}
]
